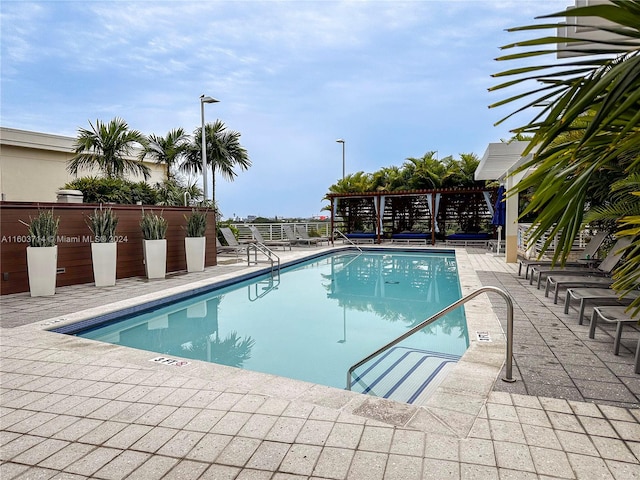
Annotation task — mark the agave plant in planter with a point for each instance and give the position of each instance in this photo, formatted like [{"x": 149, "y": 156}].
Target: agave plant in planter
[
  {"x": 104, "y": 247},
  {"x": 195, "y": 242},
  {"x": 154, "y": 231},
  {"x": 42, "y": 253}
]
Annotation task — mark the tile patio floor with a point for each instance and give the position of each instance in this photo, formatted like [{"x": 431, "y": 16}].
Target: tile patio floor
[{"x": 72, "y": 408}]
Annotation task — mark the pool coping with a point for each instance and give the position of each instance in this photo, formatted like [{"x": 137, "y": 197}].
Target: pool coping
[{"x": 451, "y": 410}]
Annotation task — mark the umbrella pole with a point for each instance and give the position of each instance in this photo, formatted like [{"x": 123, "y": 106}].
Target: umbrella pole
[{"x": 499, "y": 237}]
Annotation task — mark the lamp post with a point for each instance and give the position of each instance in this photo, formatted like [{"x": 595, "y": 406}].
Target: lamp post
[
  {"x": 204, "y": 99},
  {"x": 340, "y": 140}
]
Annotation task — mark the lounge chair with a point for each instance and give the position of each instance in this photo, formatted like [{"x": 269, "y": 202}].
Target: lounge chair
[
  {"x": 228, "y": 248},
  {"x": 615, "y": 315},
  {"x": 302, "y": 233},
  {"x": 595, "y": 296},
  {"x": 605, "y": 267},
  {"x": 586, "y": 258},
  {"x": 595, "y": 277},
  {"x": 288, "y": 232},
  {"x": 361, "y": 237},
  {"x": 410, "y": 237},
  {"x": 269, "y": 243},
  {"x": 230, "y": 238},
  {"x": 468, "y": 239},
  {"x": 298, "y": 241}
]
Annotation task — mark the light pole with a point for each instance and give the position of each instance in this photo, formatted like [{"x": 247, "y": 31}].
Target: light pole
[
  {"x": 340, "y": 140},
  {"x": 204, "y": 99}
]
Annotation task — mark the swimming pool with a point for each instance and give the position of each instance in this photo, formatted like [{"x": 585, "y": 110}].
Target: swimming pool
[{"x": 316, "y": 320}]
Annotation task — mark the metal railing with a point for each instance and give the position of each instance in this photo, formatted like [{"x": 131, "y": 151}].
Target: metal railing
[
  {"x": 262, "y": 288},
  {"x": 270, "y": 254},
  {"x": 509, "y": 354},
  {"x": 346, "y": 238},
  {"x": 275, "y": 231}
]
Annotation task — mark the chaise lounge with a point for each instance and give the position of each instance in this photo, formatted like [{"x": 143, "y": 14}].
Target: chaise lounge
[
  {"x": 620, "y": 317},
  {"x": 604, "y": 269},
  {"x": 585, "y": 259},
  {"x": 411, "y": 237},
  {"x": 269, "y": 243},
  {"x": 595, "y": 296},
  {"x": 361, "y": 237},
  {"x": 468, "y": 239}
]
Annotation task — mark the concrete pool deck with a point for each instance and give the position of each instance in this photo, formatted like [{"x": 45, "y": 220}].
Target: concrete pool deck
[{"x": 74, "y": 408}]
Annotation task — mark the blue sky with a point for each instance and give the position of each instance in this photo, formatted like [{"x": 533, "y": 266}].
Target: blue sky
[{"x": 394, "y": 79}]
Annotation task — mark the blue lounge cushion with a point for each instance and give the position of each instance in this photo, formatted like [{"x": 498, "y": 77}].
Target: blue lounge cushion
[
  {"x": 361, "y": 235},
  {"x": 411, "y": 236}
]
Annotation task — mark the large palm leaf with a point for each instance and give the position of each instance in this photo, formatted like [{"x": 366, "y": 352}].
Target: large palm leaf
[
  {"x": 589, "y": 124},
  {"x": 107, "y": 147}
]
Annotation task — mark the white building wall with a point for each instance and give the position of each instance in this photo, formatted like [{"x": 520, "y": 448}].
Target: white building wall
[{"x": 33, "y": 165}]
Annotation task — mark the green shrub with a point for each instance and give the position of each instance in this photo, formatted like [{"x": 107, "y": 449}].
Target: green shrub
[
  {"x": 113, "y": 190},
  {"x": 154, "y": 227},
  {"x": 103, "y": 223},
  {"x": 196, "y": 223}
]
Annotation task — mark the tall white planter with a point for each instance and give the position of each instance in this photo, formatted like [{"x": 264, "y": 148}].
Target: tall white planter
[
  {"x": 155, "y": 258},
  {"x": 194, "y": 248},
  {"x": 42, "y": 263},
  {"x": 104, "y": 257}
]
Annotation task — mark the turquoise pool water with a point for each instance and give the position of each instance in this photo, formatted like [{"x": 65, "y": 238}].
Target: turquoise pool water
[{"x": 316, "y": 320}]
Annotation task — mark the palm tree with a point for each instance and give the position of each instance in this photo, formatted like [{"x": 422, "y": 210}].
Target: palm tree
[
  {"x": 589, "y": 125},
  {"x": 460, "y": 173},
  {"x": 224, "y": 153},
  {"x": 425, "y": 172},
  {"x": 105, "y": 146},
  {"x": 168, "y": 150},
  {"x": 389, "y": 179}
]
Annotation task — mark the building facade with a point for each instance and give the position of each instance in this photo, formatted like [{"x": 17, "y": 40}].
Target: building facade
[{"x": 33, "y": 165}]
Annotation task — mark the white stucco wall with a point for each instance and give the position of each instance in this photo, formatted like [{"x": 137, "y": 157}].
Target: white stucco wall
[{"x": 33, "y": 165}]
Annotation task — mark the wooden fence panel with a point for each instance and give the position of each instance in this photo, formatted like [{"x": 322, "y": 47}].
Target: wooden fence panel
[{"x": 74, "y": 249}]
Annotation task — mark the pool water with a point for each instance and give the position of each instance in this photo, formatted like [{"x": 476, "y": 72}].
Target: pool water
[{"x": 317, "y": 319}]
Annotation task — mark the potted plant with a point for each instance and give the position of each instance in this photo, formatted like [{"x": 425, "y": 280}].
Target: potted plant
[
  {"x": 195, "y": 242},
  {"x": 154, "y": 230},
  {"x": 42, "y": 253},
  {"x": 104, "y": 248}
]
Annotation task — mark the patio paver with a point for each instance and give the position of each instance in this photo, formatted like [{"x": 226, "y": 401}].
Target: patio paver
[{"x": 73, "y": 408}]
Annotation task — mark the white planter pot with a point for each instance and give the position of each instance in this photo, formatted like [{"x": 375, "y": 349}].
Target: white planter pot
[
  {"x": 42, "y": 263},
  {"x": 103, "y": 256},
  {"x": 155, "y": 258},
  {"x": 194, "y": 248}
]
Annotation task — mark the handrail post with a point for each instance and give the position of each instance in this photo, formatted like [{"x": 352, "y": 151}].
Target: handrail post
[{"x": 509, "y": 353}]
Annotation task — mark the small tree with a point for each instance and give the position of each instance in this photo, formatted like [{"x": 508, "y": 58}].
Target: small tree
[{"x": 106, "y": 147}]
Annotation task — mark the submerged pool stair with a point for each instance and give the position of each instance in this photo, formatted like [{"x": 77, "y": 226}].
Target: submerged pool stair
[
  {"x": 394, "y": 343},
  {"x": 404, "y": 374}
]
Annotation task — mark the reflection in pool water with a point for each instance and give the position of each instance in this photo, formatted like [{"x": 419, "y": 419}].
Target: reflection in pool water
[{"x": 316, "y": 320}]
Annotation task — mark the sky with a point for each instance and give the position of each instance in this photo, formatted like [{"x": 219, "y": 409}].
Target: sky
[{"x": 393, "y": 79}]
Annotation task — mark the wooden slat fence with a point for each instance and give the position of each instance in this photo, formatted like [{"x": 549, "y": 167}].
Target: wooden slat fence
[{"x": 74, "y": 249}]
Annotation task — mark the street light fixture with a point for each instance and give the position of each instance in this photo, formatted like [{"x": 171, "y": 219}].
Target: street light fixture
[
  {"x": 340, "y": 140},
  {"x": 204, "y": 99}
]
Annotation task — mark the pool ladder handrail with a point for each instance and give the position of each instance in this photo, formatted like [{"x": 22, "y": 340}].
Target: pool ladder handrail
[
  {"x": 335, "y": 230},
  {"x": 272, "y": 284},
  {"x": 270, "y": 254},
  {"x": 509, "y": 354}
]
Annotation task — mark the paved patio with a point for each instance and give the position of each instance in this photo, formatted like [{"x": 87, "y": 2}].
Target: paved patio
[{"x": 74, "y": 408}]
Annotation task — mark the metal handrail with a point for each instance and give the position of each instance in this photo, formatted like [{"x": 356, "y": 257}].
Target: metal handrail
[
  {"x": 509, "y": 358},
  {"x": 273, "y": 284},
  {"x": 255, "y": 246},
  {"x": 335, "y": 230}
]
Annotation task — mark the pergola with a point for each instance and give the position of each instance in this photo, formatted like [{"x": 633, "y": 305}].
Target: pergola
[{"x": 432, "y": 212}]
